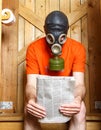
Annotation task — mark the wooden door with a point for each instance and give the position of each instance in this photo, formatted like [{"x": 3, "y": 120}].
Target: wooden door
[{"x": 31, "y": 22}]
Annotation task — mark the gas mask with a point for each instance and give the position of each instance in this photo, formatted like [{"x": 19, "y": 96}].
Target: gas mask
[{"x": 56, "y": 27}]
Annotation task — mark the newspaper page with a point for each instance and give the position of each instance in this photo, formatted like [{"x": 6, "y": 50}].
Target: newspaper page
[{"x": 52, "y": 91}]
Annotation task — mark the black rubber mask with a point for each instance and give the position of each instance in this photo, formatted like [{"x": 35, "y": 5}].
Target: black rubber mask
[{"x": 56, "y": 28}]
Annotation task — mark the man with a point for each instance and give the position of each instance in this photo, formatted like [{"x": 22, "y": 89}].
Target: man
[{"x": 38, "y": 57}]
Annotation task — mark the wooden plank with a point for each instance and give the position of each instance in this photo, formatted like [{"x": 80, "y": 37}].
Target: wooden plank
[
  {"x": 94, "y": 27},
  {"x": 11, "y": 117},
  {"x": 21, "y": 44},
  {"x": 84, "y": 39},
  {"x": 29, "y": 28},
  {"x": 22, "y": 52},
  {"x": 40, "y": 12},
  {"x": 0, "y": 34},
  {"x": 65, "y": 6},
  {"x": 40, "y": 7},
  {"x": 93, "y": 125},
  {"x": 51, "y": 5},
  {"x": 77, "y": 14},
  {"x": 21, "y": 30},
  {"x": 0, "y": 51},
  {"x": 19, "y": 126},
  {"x": 20, "y": 91},
  {"x": 11, "y": 126},
  {"x": 90, "y": 126},
  {"x": 31, "y": 17},
  {"x": 93, "y": 117},
  {"x": 55, "y": 126},
  {"x": 100, "y": 7},
  {"x": 75, "y": 4},
  {"x": 9, "y": 54},
  {"x": 76, "y": 27},
  {"x": 26, "y": 33},
  {"x": 54, "y": 5},
  {"x": 84, "y": 35},
  {"x": 21, "y": 55},
  {"x": 47, "y": 10},
  {"x": 76, "y": 31},
  {"x": 83, "y": 1}
]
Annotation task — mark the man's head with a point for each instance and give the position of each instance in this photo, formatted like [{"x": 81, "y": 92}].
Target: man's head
[
  {"x": 56, "y": 28},
  {"x": 56, "y": 21}
]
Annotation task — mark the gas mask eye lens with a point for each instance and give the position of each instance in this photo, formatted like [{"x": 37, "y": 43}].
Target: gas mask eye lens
[
  {"x": 62, "y": 38},
  {"x": 50, "y": 38}
]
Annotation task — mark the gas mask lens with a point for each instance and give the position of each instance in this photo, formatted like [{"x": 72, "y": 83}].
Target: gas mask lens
[
  {"x": 62, "y": 38},
  {"x": 50, "y": 39}
]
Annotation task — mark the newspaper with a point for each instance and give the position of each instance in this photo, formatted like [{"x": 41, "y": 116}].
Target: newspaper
[{"x": 52, "y": 91}]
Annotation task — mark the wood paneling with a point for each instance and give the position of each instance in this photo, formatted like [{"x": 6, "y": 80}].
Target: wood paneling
[
  {"x": 11, "y": 126},
  {"x": 30, "y": 16},
  {"x": 94, "y": 43},
  {"x": 93, "y": 125},
  {"x": 89, "y": 126},
  {"x": 0, "y": 48},
  {"x": 9, "y": 56},
  {"x": 84, "y": 27},
  {"x": 34, "y": 13},
  {"x": 80, "y": 20},
  {"x": 0, "y": 37},
  {"x": 19, "y": 126},
  {"x": 84, "y": 39}
]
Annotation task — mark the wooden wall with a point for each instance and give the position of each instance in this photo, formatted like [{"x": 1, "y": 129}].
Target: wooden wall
[
  {"x": 85, "y": 23},
  {"x": 0, "y": 40},
  {"x": 8, "y": 88},
  {"x": 94, "y": 38}
]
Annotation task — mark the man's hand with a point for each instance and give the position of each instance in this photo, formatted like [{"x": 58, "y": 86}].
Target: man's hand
[
  {"x": 70, "y": 109},
  {"x": 35, "y": 109}
]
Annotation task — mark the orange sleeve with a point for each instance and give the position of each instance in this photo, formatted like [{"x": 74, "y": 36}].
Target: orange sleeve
[
  {"x": 31, "y": 61},
  {"x": 79, "y": 59}
]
